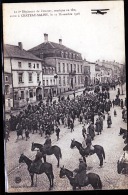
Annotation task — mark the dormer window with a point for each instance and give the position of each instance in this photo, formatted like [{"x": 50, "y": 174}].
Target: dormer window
[
  {"x": 74, "y": 55},
  {"x": 19, "y": 64},
  {"x": 29, "y": 65},
  {"x": 70, "y": 55},
  {"x": 62, "y": 54},
  {"x": 66, "y": 54}
]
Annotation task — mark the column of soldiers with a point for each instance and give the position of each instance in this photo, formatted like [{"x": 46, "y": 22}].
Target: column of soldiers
[{"x": 44, "y": 117}]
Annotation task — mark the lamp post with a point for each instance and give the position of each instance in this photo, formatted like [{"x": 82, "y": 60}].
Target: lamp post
[{"x": 55, "y": 77}]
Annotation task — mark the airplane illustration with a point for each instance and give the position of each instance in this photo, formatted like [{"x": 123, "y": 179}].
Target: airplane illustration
[{"x": 99, "y": 11}]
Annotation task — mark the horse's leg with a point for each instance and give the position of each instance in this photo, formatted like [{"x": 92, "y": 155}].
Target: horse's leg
[
  {"x": 50, "y": 180},
  {"x": 32, "y": 176},
  {"x": 84, "y": 159},
  {"x": 44, "y": 157},
  {"x": 101, "y": 159},
  {"x": 58, "y": 158},
  {"x": 36, "y": 181}
]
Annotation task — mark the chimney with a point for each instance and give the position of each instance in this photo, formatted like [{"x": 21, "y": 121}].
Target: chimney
[
  {"x": 45, "y": 37},
  {"x": 60, "y": 41},
  {"x": 20, "y": 45}
]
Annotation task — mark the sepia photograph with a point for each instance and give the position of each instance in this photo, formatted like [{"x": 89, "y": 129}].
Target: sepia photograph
[{"x": 65, "y": 103}]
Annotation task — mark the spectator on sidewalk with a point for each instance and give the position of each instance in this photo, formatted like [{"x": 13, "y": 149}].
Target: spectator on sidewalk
[{"x": 57, "y": 132}]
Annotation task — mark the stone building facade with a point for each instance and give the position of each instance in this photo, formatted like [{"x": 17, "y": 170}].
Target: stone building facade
[
  {"x": 67, "y": 62},
  {"x": 26, "y": 70}
]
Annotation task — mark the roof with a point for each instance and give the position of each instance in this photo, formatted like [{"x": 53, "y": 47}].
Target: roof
[
  {"x": 16, "y": 52},
  {"x": 48, "y": 65},
  {"x": 52, "y": 45}
]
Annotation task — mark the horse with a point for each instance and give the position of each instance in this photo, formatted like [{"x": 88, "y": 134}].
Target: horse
[
  {"x": 122, "y": 164},
  {"x": 125, "y": 148},
  {"x": 52, "y": 150},
  {"x": 45, "y": 168},
  {"x": 122, "y": 131},
  {"x": 89, "y": 178},
  {"x": 99, "y": 150}
]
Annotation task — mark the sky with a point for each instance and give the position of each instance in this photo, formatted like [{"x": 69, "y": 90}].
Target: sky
[{"x": 95, "y": 36}]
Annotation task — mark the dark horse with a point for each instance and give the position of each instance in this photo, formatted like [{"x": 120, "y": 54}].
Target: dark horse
[
  {"x": 45, "y": 168},
  {"x": 92, "y": 179},
  {"x": 99, "y": 150},
  {"x": 53, "y": 150},
  {"x": 123, "y": 131},
  {"x": 122, "y": 164}
]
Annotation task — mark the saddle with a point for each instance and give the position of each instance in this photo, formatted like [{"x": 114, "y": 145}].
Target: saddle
[
  {"x": 81, "y": 178},
  {"x": 35, "y": 167}
]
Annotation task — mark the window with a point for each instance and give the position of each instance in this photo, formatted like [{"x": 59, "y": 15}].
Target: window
[
  {"x": 59, "y": 67},
  {"x": 78, "y": 79},
  {"x": 75, "y": 79},
  {"x": 37, "y": 65},
  {"x": 63, "y": 80},
  {"x": 63, "y": 67},
  {"x": 30, "y": 77},
  {"x": 20, "y": 77},
  {"x": 66, "y": 54},
  {"x": 78, "y": 68},
  {"x": 62, "y": 54},
  {"x": 34, "y": 66},
  {"x": 67, "y": 68},
  {"x": 81, "y": 79},
  {"x": 51, "y": 81},
  {"x": 67, "y": 80},
  {"x": 59, "y": 80},
  {"x": 31, "y": 93},
  {"x": 43, "y": 82},
  {"x": 19, "y": 64},
  {"x": 29, "y": 65},
  {"x": 46, "y": 82},
  {"x": 6, "y": 78},
  {"x": 16, "y": 95},
  {"x": 74, "y": 66},
  {"x": 54, "y": 81},
  {"x": 49, "y": 71},
  {"x": 38, "y": 77},
  {"x": 22, "y": 95},
  {"x": 6, "y": 89},
  {"x": 81, "y": 68}
]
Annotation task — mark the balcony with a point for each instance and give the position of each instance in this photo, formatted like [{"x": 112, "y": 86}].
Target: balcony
[{"x": 72, "y": 73}]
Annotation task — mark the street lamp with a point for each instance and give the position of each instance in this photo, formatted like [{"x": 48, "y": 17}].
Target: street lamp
[{"x": 55, "y": 77}]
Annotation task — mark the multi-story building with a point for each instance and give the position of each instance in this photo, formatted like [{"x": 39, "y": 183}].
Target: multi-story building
[
  {"x": 67, "y": 62},
  {"x": 26, "y": 70},
  {"x": 112, "y": 67},
  {"x": 49, "y": 80},
  {"x": 86, "y": 73},
  {"x": 8, "y": 92}
]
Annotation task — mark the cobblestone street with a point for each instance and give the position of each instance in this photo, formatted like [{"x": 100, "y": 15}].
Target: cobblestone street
[{"x": 109, "y": 139}]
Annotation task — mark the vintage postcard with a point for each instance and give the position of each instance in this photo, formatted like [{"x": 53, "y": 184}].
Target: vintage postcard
[{"x": 64, "y": 85}]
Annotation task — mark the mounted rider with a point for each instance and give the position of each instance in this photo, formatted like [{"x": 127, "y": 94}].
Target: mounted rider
[
  {"x": 79, "y": 174},
  {"x": 89, "y": 144},
  {"x": 37, "y": 162},
  {"x": 48, "y": 143}
]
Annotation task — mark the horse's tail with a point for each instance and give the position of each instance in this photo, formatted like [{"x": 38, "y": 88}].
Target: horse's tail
[
  {"x": 60, "y": 153},
  {"x": 103, "y": 153},
  {"x": 99, "y": 183}
]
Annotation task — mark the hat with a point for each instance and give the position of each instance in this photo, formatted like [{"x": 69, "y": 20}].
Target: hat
[{"x": 80, "y": 159}]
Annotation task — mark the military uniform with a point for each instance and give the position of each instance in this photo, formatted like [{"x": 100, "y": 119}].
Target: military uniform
[
  {"x": 36, "y": 164},
  {"x": 80, "y": 176}
]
